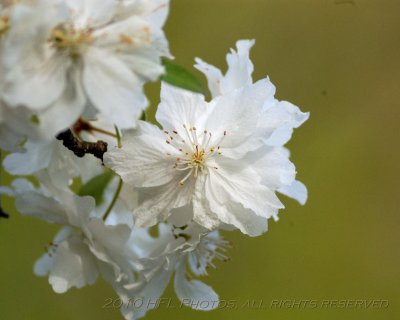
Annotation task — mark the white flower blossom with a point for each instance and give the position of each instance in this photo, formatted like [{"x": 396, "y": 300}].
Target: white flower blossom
[
  {"x": 85, "y": 246},
  {"x": 184, "y": 252},
  {"x": 83, "y": 58},
  {"x": 60, "y": 163},
  {"x": 214, "y": 155}
]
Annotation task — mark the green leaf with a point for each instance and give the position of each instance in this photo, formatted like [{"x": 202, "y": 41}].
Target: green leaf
[
  {"x": 180, "y": 77},
  {"x": 96, "y": 187}
]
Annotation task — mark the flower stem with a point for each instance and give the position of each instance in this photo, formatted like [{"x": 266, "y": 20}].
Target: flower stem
[
  {"x": 93, "y": 128},
  {"x": 118, "y": 136},
  {"x": 114, "y": 200},
  {"x": 120, "y": 183}
]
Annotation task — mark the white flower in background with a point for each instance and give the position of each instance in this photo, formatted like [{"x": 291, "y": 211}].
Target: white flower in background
[
  {"x": 12, "y": 122},
  {"x": 83, "y": 57},
  {"x": 60, "y": 163},
  {"x": 85, "y": 246},
  {"x": 213, "y": 155},
  {"x": 4, "y": 20},
  {"x": 186, "y": 252},
  {"x": 8, "y": 138}
]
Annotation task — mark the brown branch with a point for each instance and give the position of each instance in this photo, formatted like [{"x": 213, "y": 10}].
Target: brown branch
[{"x": 80, "y": 148}]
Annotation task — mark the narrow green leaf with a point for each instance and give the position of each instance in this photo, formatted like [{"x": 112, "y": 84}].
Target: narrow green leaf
[
  {"x": 96, "y": 187},
  {"x": 180, "y": 77}
]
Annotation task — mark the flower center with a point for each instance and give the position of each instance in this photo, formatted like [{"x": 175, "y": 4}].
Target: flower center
[
  {"x": 210, "y": 247},
  {"x": 4, "y": 24},
  {"x": 65, "y": 37},
  {"x": 195, "y": 150}
]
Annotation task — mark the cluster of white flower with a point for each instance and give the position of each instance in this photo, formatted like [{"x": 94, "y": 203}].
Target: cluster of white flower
[{"x": 71, "y": 81}]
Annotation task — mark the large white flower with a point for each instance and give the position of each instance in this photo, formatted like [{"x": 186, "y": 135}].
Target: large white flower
[
  {"x": 214, "y": 156},
  {"x": 83, "y": 57}
]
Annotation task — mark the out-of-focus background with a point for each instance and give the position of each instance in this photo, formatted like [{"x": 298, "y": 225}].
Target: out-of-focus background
[{"x": 340, "y": 60}]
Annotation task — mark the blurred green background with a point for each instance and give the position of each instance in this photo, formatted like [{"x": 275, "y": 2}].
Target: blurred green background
[{"x": 340, "y": 61}]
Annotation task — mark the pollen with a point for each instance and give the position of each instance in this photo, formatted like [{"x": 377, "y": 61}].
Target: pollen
[
  {"x": 4, "y": 24},
  {"x": 65, "y": 37},
  {"x": 196, "y": 148},
  {"x": 125, "y": 39}
]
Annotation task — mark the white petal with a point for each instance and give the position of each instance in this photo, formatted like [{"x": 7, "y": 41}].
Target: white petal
[
  {"x": 157, "y": 12},
  {"x": 180, "y": 107},
  {"x": 273, "y": 166},
  {"x": 282, "y": 118},
  {"x": 240, "y": 67},
  {"x": 92, "y": 13},
  {"x": 74, "y": 266},
  {"x": 37, "y": 83},
  {"x": 194, "y": 293},
  {"x": 143, "y": 159},
  {"x": 150, "y": 292},
  {"x": 43, "y": 265},
  {"x": 157, "y": 203},
  {"x": 235, "y": 214},
  {"x": 213, "y": 74},
  {"x": 244, "y": 219},
  {"x": 9, "y": 140},
  {"x": 36, "y": 157},
  {"x": 202, "y": 213},
  {"x": 66, "y": 110},
  {"x": 34, "y": 204},
  {"x": 113, "y": 89},
  {"x": 78, "y": 208},
  {"x": 137, "y": 43},
  {"x": 238, "y": 114},
  {"x": 22, "y": 185},
  {"x": 243, "y": 185},
  {"x": 109, "y": 244},
  {"x": 182, "y": 216},
  {"x": 297, "y": 191}
]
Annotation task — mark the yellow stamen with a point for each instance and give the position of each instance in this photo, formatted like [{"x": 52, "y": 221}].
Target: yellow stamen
[
  {"x": 4, "y": 24},
  {"x": 125, "y": 39},
  {"x": 65, "y": 37}
]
